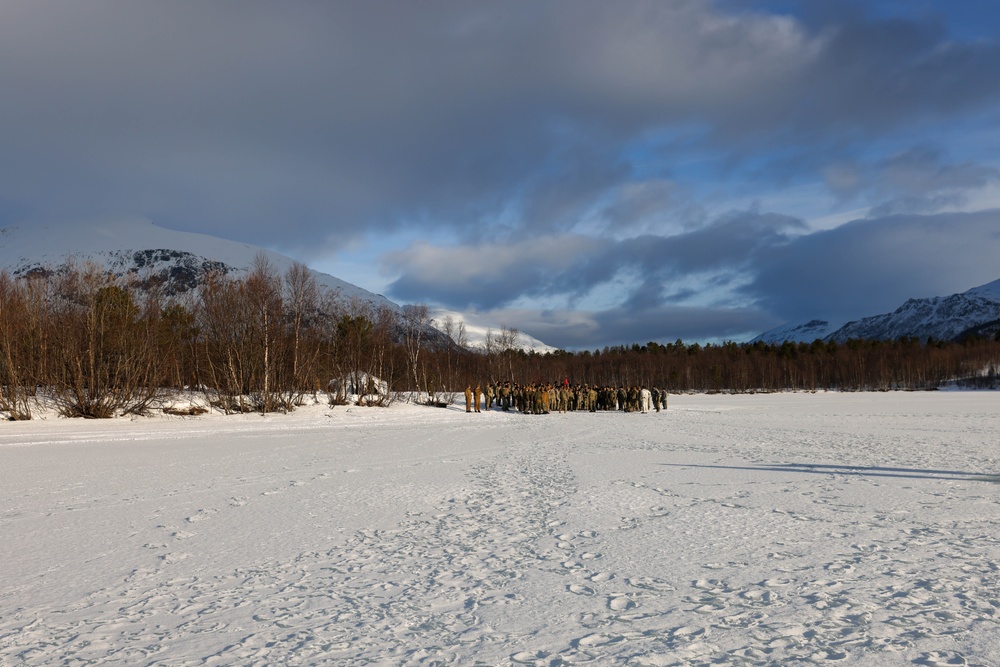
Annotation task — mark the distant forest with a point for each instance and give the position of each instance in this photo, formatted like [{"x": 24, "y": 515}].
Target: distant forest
[{"x": 96, "y": 345}]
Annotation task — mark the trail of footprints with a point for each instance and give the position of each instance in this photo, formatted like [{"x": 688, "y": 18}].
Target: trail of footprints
[
  {"x": 435, "y": 591},
  {"x": 876, "y": 598}
]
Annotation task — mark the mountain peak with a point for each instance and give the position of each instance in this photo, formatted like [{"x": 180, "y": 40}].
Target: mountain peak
[
  {"x": 797, "y": 332},
  {"x": 85, "y": 237},
  {"x": 988, "y": 291},
  {"x": 137, "y": 246},
  {"x": 940, "y": 317}
]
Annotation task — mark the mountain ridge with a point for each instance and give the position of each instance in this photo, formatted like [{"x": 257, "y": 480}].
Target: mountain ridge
[
  {"x": 951, "y": 317},
  {"x": 137, "y": 246},
  {"x": 180, "y": 261}
]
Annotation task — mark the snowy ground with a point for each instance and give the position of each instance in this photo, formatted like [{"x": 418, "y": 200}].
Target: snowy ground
[{"x": 859, "y": 529}]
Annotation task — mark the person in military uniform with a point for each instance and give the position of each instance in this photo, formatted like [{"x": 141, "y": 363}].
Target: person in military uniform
[
  {"x": 468, "y": 398},
  {"x": 632, "y": 400}
]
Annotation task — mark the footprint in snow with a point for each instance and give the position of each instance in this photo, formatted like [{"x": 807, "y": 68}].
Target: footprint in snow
[
  {"x": 621, "y": 603},
  {"x": 941, "y": 659},
  {"x": 173, "y": 557},
  {"x": 580, "y": 590}
]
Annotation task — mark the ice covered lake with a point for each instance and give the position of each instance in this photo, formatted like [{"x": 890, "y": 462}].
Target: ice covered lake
[{"x": 787, "y": 529}]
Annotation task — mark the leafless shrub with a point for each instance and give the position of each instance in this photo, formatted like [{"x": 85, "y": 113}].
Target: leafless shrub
[
  {"x": 17, "y": 337},
  {"x": 103, "y": 352}
]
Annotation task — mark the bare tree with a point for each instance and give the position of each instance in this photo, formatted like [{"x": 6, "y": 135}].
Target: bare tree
[
  {"x": 105, "y": 360},
  {"x": 490, "y": 348},
  {"x": 262, "y": 291},
  {"x": 416, "y": 319},
  {"x": 302, "y": 294},
  {"x": 507, "y": 346},
  {"x": 223, "y": 328},
  {"x": 243, "y": 324},
  {"x": 455, "y": 330},
  {"x": 17, "y": 374},
  {"x": 177, "y": 339}
]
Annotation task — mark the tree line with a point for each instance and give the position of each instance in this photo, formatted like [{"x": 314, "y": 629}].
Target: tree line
[{"x": 98, "y": 345}]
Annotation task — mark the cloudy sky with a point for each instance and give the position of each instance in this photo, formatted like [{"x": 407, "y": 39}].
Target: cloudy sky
[{"x": 591, "y": 173}]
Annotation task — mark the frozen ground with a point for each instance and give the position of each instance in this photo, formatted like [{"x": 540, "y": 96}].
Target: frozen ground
[{"x": 854, "y": 529}]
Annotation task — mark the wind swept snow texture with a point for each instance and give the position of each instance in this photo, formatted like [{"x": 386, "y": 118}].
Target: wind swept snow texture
[{"x": 859, "y": 529}]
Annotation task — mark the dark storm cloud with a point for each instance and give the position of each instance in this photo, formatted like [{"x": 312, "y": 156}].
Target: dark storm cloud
[
  {"x": 488, "y": 276},
  {"x": 726, "y": 243},
  {"x": 276, "y": 121},
  {"x": 667, "y": 323},
  {"x": 918, "y": 180},
  {"x": 866, "y": 267},
  {"x": 550, "y": 142},
  {"x": 864, "y": 76},
  {"x": 575, "y": 330},
  {"x": 872, "y": 266}
]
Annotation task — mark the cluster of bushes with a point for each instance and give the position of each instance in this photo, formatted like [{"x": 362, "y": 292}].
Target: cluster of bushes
[{"x": 96, "y": 345}]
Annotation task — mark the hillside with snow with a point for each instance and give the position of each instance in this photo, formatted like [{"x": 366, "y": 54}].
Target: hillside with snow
[
  {"x": 181, "y": 261},
  {"x": 137, "y": 247},
  {"x": 478, "y": 328},
  {"x": 796, "y": 332},
  {"x": 943, "y": 318}
]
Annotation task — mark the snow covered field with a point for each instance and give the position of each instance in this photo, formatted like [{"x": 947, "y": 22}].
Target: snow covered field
[{"x": 859, "y": 529}]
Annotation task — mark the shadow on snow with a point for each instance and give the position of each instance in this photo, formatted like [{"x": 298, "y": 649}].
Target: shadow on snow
[{"x": 863, "y": 471}]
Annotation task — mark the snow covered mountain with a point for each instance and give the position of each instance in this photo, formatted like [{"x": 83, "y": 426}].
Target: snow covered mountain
[
  {"x": 181, "y": 260},
  {"x": 943, "y": 318},
  {"x": 797, "y": 332},
  {"x": 477, "y": 328}
]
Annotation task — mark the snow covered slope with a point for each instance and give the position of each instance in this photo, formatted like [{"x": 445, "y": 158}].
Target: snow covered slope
[
  {"x": 137, "y": 246},
  {"x": 988, "y": 291},
  {"x": 941, "y": 318},
  {"x": 182, "y": 260},
  {"x": 797, "y": 332},
  {"x": 477, "y": 328}
]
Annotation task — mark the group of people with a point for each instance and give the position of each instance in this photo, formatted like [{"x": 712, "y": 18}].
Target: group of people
[{"x": 544, "y": 398}]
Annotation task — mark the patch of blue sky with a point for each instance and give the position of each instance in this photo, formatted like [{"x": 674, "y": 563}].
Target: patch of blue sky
[
  {"x": 668, "y": 150},
  {"x": 600, "y": 296},
  {"x": 965, "y": 20}
]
